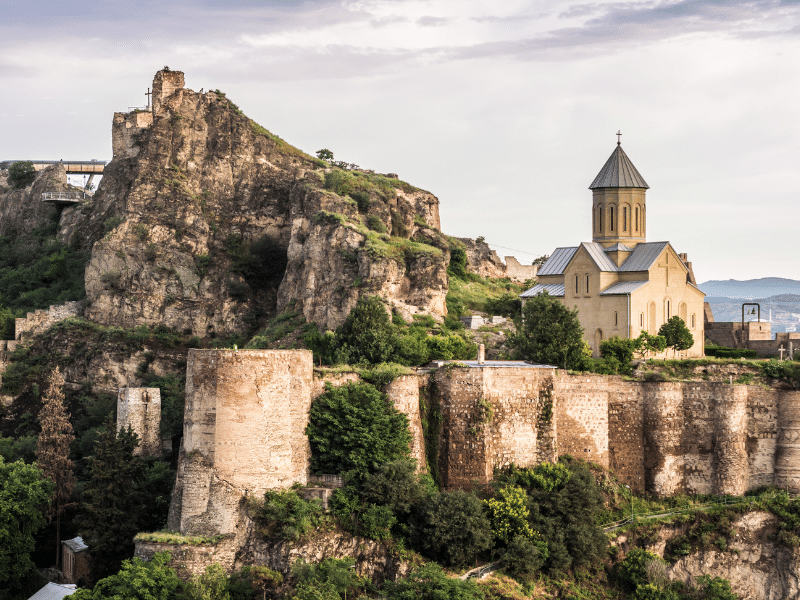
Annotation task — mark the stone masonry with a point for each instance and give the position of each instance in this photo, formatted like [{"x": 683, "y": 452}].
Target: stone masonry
[
  {"x": 246, "y": 413},
  {"x": 41, "y": 320},
  {"x": 140, "y": 408}
]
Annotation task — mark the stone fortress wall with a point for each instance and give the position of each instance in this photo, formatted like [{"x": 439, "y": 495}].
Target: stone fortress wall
[
  {"x": 41, "y": 320},
  {"x": 246, "y": 413},
  {"x": 140, "y": 408}
]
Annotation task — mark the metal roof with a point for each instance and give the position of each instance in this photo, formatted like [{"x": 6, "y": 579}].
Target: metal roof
[
  {"x": 619, "y": 248},
  {"x": 618, "y": 172},
  {"x": 597, "y": 252},
  {"x": 553, "y": 289},
  {"x": 643, "y": 256},
  {"x": 623, "y": 287},
  {"x": 54, "y": 591},
  {"x": 558, "y": 261},
  {"x": 76, "y": 544}
]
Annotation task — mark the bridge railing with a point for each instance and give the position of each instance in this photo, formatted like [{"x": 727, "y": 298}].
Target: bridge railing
[{"x": 63, "y": 196}]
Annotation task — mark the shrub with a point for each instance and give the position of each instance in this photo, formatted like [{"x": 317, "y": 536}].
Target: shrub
[
  {"x": 508, "y": 514},
  {"x": 430, "y": 582},
  {"x": 21, "y": 174},
  {"x": 508, "y": 305},
  {"x": 288, "y": 516},
  {"x": 618, "y": 348},
  {"x": 330, "y": 578},
  {"x": 362, "y": 200},
  {"x": 452, "y": 528},
  {"x": 375, "y": 224},
  {"x": 396, "y": 485},
  {"x": 355, "y": 427},
  {"x": 523, "y": 557},
  {"x": 722, "y": 352},
  {"x": 457, "y": 267},
  {"x": 632, "y": 572}
]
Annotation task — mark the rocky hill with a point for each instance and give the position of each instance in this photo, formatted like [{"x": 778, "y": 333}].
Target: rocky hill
[{"x": 206, "y": 222}]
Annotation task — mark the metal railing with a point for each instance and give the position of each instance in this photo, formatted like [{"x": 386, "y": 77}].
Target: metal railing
[{"x": 63, "y": 196}]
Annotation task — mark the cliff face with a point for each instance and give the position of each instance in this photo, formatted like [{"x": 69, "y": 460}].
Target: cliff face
[
  {"x": 183, "y": 208},
  {"x": 21, "y": 211}
]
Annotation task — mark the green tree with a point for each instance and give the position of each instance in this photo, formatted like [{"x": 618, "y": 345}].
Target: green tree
[
  {"x": 331, "y": 578},
  {"x": 210, "y": 585},
  {"x": 508, "y": 513},
  {"x": 523, "y": 557},
  {"x": 452, "y": 528},
  {"x": 676, "y": 334},
  {"x": 647, "y": 344},
  {"x": 457, "y": 267},
  {"x": 21, "y": 174},
  {"x": 325, "y": 154},
  {"x": 136, "y": 580},
  {"x": 366, "y": 336},
  {"x": 7, "y": 323},
  {"x": 354, "y": 426},
  {"x": 23, "y": 493},
  {"x": 397, "y": 485},
  {"x": 52, "y": 451},
  {"x": 110, "y": 508},
  {"x": 550, "y": 333}
]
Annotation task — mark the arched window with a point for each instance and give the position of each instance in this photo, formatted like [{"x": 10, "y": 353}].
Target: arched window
[
  {"x": 611, "y": 219},
  {"x": 692, "y": 320},
  {"x": 651, "y": 317},
  {"x": 616, "y": 319},
  {"x": 667, "y": 313},
  {"x": 624, "y": 218},
  {"x": 636, "y": 220},
  {"x": 641, "y": 320},
  {"x": 600, "y": 218},
  {"x": 682, "y": 310},
  {"x": 577, "y": 284},
  {"x": 587, "y": 284}
]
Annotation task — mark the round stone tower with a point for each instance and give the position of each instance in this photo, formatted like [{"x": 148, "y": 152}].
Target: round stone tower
[{"x": 618, "y": 203}]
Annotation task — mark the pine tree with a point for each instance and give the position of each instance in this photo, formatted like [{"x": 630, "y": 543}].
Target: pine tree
[
  {"x": 52, "y": 451},
  {"x": 110, "y": 499}
]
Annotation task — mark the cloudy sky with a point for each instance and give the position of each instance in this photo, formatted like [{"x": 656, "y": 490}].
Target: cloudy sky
[{"x": 505, "y": 110}]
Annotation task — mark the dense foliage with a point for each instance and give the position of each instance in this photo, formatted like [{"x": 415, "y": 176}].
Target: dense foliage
[
  {"x": 23, "y": 494},
  {"x": 288, "y": 516},
  {"x": 355, "y": 427},
  {"x": 21, "y": 174},
  {"x": 37, "y": 271},
  {"x": 369, "y": 336},
  {"x": 676, "y": 334},
  {"x": 136, "y": 580},
  {"x": 550, "y": 333}
]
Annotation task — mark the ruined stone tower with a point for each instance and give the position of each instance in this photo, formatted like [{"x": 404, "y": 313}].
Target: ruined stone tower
[{"x": 141, "y": 409}]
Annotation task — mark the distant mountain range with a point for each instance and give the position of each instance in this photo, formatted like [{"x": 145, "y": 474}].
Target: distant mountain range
[
  {"x": 766, "y": 287},
  {"x": 779, "y": 299}
]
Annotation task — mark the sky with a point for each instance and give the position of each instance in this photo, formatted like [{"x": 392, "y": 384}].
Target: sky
[{"x": 504, "y": 110}]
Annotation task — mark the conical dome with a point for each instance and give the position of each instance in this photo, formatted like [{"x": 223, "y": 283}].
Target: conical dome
[{"x": 618, "y": 172}]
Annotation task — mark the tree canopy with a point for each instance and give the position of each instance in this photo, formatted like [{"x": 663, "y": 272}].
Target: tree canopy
[
  {"x": 677, "y": 335},
  {"x": 550, "y": 333},
  {"x": 21, "y": 174},
  {"x": 23, "y": 493}
]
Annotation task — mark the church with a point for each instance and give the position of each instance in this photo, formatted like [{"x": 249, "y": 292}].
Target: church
[{"x": 620, "y": 283}]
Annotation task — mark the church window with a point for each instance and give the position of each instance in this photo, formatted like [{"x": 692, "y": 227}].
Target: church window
[
  {"x": 611, "y": 219},
  {"x": 667, "y": 313},
  {"x": 682, "y": 310},
  {"x": 577, "y": 284},
  {"x": 641, "y": 320},
  {"x": 651, "y": 317},
  {"x": 624, "y": 218},
  {"x": 636, "y": 219},
  {"x": 600, "y": 218},
  {"x": 587, "y": 283},
  {"x": 616, "y": 319},
  {"x": 693, "y": 325}
]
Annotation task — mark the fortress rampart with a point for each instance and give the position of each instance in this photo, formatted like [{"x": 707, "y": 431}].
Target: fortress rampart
[
  {"x": 140, "y": 408},
  {"x": 246, "y": 413}
]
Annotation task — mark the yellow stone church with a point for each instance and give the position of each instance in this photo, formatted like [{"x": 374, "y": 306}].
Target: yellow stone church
[{"x": 620, "y": 283}]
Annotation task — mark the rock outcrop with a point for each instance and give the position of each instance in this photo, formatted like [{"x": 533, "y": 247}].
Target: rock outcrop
[
  {"x": 174, "y": 222},
  {"x": 22, "y": 210},
  {"x": 758, "y": 567},
  {"x": 482, "y": 260}
]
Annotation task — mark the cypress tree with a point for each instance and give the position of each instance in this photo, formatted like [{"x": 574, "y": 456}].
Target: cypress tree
[
  {"x": 52, "y": 451},
  {"x": 110, "y": 499}
]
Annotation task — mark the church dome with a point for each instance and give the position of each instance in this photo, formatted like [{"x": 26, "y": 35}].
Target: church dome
[{"x": 618, "y": 172}]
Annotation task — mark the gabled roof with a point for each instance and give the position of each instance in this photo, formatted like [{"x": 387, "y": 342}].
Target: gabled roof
[
  {"x": 618, "y": 172},
  {"x": 643, "y": 256},
  {"x": 623, "y": 288},
  {"x": 554, "y": 289},
  {"x": 597, "y": 252},
  {"x": 558, "y": 261},
  {"x": 619, "y": 248},
  {"x": 54, "y": 591},
  {"x": 76, "y": 544}
]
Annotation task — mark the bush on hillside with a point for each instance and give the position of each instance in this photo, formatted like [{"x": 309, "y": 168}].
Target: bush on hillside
[
  {"x": 288, "y": 516},
  {"x": 21, "y": 174},
  {"x": 354, "y": 426},
  {"x": 430, "y": 582},
  {"x": 452, "y": 529}
]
